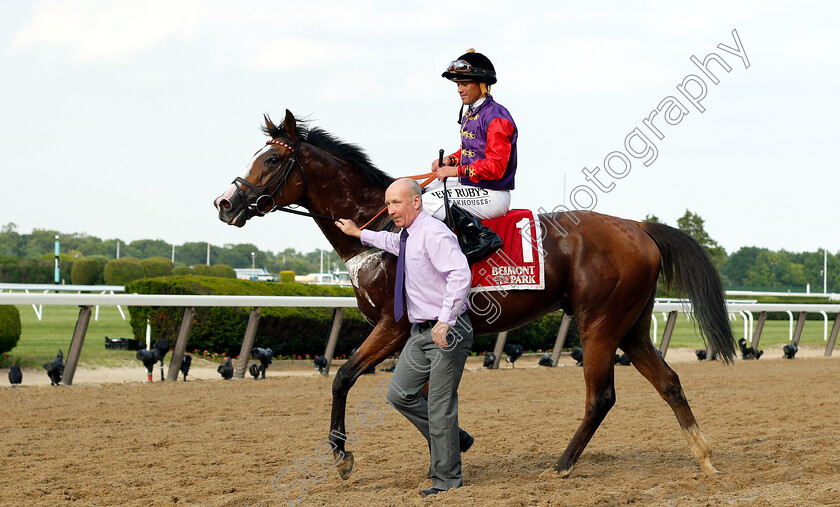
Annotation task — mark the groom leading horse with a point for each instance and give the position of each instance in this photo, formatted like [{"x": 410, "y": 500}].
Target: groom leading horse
[{"x": 600, "y": 268}]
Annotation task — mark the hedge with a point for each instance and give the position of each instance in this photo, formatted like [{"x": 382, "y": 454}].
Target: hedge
[
  {"x": 88, "y": 271},
  {"x": 287, "y": 276},
  {"x": 288, "y": 331},
  {"x": 156, "y": 266},
  {"x": 15, "y": 270},
  {"x": 9, "y": 328},
  {"x": 122, "y": 271},
  {"x": 538, "y": 335},
  {"x": 217, "y": 270}
]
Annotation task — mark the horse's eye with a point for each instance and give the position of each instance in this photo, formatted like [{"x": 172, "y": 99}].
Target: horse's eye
[{"x": 272, "y": 160}]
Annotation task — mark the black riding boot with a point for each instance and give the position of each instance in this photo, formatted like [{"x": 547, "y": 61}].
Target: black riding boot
[{"x": 476, "y": 240}]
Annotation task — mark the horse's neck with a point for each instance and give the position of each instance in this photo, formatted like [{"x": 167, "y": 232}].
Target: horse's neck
[
  {"x": 345, "y": 195},
  {"x": 347, "y": 247}
]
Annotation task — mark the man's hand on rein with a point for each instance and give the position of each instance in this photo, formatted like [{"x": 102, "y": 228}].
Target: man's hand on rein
[{"x": 348, "y": 227}]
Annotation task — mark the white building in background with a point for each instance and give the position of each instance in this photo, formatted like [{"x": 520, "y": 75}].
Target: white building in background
[
  {"x": 341, "y": 278},
  {"x": 256, "y": 274}
]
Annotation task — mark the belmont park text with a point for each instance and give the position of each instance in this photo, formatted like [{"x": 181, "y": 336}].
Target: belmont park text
[{"x": 514, "y": 274}]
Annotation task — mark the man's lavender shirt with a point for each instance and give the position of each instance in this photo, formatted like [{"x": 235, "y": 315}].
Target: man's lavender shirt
[{"x": 437, "y": 276}]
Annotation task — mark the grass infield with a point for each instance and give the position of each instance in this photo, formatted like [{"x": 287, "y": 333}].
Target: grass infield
[{"x": 40, "y": 340}]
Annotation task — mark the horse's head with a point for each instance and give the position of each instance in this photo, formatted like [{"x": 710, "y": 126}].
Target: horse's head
[{"x": 270, "y": 179}]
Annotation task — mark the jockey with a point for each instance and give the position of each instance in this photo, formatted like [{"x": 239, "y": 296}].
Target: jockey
[{"x": 485, "y": 164}]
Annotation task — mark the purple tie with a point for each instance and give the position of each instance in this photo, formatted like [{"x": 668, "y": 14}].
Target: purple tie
[{"x": 399, "y": 285}]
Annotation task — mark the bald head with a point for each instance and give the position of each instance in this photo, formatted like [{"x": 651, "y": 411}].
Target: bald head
[
  {"x": 407, "y": 185},
  {"x": 404, "y": 201}
]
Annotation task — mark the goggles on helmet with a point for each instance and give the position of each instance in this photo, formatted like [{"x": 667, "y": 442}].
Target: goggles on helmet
[{"x": 459, "y": 66}]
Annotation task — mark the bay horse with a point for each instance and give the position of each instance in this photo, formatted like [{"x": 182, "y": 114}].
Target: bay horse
[{"x": 599, "y": 268}]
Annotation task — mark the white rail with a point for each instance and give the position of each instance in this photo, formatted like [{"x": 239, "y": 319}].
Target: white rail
[
  {"x": 830, "y": 295},
  {"x": 327, "y": 302},
  {"x": 174, "y": 300},
  {"x": 60, "y": 288},
  {"x": 85, "y": 301},
  {"x": 754, "y": 307},
  {"x": 45, "y": 287}
]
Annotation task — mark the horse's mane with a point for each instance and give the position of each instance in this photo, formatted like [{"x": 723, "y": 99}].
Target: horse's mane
[{"x": 348, "y": 152}]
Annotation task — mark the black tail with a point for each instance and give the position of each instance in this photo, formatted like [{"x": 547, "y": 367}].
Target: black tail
[{"x": 686, "y": 267}]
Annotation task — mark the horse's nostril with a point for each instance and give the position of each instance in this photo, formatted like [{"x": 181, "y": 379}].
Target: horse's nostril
[{"x": 224, "y": 203}]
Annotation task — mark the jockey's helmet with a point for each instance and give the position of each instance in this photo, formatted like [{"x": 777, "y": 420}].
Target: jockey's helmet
[{"x": 471, "y": 66}]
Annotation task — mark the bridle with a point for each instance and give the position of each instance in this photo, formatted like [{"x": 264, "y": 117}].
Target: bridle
[{"x": 266, "y": 200}]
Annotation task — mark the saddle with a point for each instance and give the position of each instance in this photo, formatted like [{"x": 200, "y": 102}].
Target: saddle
[
  {"x": 477, "y": 241},
  {"x": 520, "y": 263}
]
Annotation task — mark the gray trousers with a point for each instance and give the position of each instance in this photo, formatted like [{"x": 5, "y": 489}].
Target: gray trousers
[{"x": 423, "y": 361}]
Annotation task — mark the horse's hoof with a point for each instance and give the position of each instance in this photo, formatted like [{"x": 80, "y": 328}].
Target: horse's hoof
[
  {"x": 346, "y": 466},
  {"x": 553, "y": 473},
  {"x": 708, "y": 469}
]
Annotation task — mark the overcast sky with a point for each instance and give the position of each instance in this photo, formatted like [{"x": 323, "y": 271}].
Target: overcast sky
[{"x": 126, "y": 118}]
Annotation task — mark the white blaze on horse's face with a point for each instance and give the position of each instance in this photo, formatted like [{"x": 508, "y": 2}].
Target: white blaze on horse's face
[{"x": 250, "y": 167}]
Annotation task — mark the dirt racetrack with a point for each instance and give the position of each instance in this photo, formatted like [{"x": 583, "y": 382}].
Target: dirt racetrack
[{"x": 773, "y": 424}]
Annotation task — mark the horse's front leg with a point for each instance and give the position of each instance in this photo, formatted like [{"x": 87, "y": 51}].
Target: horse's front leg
[{"x": 386, "y": 339}]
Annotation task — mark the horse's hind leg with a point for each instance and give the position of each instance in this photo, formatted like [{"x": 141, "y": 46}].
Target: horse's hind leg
[
  {"x": 598, "y": 372},
  {"x": 638, "y": 347}
]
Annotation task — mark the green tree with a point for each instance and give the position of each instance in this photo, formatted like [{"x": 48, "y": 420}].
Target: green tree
[
  {"x": 834, "y": 281},
  {"x": 693, "y": 225},
  {"x": 88, "y": 246},
  {"x": 776, "y": 270},
  {"x": 190, "y": 254},
  {"x": 813, "y": 263},
  {"x": 40, "y": 242},
  {"x": 147, "y": 248},
  {"x": 650, "y": 217},
  {"x": 10, "y": 241},
  {"x": 738, "y": 264},
  {"x": 239, "y": 256},
  {"x": 108, "y": 248}
]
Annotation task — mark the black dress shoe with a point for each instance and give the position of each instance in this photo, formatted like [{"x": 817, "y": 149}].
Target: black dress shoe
[
  {"x": 431, "y": 491},
  {"x": 465, "y": 440}
]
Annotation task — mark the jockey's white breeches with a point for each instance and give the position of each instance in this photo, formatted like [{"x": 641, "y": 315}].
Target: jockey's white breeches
[{"x": 481, "y": 203}]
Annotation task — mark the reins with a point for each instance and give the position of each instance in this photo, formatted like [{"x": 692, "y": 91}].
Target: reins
[{"x": 269, "y": 201}]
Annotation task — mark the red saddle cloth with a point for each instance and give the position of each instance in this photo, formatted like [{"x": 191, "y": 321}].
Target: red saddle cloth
[{"x": 519, "y": 264}]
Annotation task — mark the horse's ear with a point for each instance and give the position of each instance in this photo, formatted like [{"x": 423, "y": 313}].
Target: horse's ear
[
  {"x": 270, "y": 128},
  {"x": 290, "y": 125}
]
